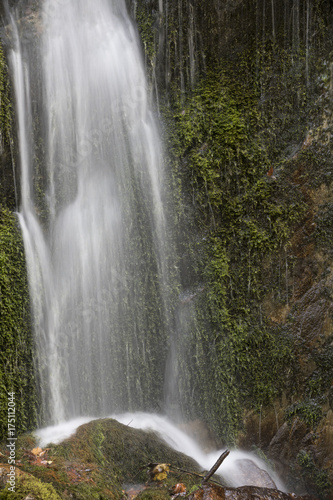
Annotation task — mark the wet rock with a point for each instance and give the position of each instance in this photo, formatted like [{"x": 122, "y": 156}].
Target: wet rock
[
  {"x": 3, "y": 476},
  {"x": 212, "y": 492},
  {"x": 313, "y": 308},
  {"x": 250, "y": 473},
  {"x": 287, "y": 441},
  {"x": 202, "y": 434},
  {"x": 133, "y": 490},
  {"x": 305, "y": 458},
  {"x": 260, "y": 430}
]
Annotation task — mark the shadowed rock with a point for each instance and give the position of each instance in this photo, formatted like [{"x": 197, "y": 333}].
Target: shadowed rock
[{"x": 212, "y": 492}]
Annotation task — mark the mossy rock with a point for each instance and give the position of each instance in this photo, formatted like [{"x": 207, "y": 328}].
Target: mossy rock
[
  {"x": 16, "y": 343},
  {"x": 154, "y": 494},
  {"x": 30, "y": 487},
  {"x": 121, "y": 448},
  {"x": 99, "y": 458}
]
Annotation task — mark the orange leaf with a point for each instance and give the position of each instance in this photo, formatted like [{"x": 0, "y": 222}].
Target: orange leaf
[{"x": 178, "y": 488}]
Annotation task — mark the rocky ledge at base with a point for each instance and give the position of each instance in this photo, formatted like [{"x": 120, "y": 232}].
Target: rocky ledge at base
[
  {"x": 107, "y": 460},
  {"x": 214, "y": 492}
]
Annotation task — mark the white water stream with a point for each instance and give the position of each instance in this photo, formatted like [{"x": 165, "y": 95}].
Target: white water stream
[{"x": 92, "y": 211}]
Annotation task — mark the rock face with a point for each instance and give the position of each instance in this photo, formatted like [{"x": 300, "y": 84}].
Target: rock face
[{"x": 292, "y": 396}]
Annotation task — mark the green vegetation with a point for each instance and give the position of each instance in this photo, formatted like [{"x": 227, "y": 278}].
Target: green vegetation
[
  {"x": 242, "y": 166},
  {"x": 308, "y": 411},
  {"x": 316, "y": 479},
  {"x": 97, "y": 462},
  {"x": 27, "y": 484},
  {"x": 8, "y": 188},
  {"x": 16, "y": 362},
  {"x": 244, "y": 218},
  {"x": 145, "y": 24},
  {"x": 5, "y": 101},
  {"x": 324, "y": 232}
]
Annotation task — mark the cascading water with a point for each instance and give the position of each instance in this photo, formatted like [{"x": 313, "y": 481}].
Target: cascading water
[
  {"x": 92, "y": 215},
  {"x": 93, "y": 221}
]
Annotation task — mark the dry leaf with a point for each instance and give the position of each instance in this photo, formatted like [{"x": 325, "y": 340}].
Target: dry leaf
[
  {"x": 179, "y": 488},
  {"x": 159, "y": 472},
  {"x": 36, "y": 451}
]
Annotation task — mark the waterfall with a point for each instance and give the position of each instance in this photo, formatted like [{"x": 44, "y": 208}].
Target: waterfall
[{"x": 92, "y": 210}]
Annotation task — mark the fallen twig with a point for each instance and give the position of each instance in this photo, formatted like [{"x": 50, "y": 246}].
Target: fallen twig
[
  {"x": 187, "y": 471},
  {"x": 194, "y": 474},
  {"x": 215, "y": 467},
  {"x": 204, "y": 479}
]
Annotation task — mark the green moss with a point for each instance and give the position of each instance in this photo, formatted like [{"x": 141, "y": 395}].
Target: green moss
[
  {"x": 5, "y": 101},
  {"x": 8, "y": 187},
  {"x": 27, "y": 485},
  {"x": 101, "y": 456},
  {"x": 316, "y": 479},
  {"x": 236, "y": 149},
  {"x": 241, "y": 219},
  {"x": 308, "y": 411},
  {"x": 16, "y": 347},
  {"x": 145, "y": 23},
  {"x": 324, "y": 232},
  {"x": 154, "y": 494}
]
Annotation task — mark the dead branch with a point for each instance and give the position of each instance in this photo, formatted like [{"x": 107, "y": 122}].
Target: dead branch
[{"x": 215, "y": 467}]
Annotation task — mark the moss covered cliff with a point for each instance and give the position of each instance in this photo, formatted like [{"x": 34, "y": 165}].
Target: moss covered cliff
[
  {"x": 245, "y": 89},
  {"x": 8, "y": 188},
  {"x": 16, "y": 345}
]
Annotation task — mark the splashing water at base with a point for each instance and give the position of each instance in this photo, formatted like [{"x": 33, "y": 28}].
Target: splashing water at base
[
  {"x": 182, "y": 442},
  {"x": 231, "y": 469},
  {"x": 57, "y": 433}
]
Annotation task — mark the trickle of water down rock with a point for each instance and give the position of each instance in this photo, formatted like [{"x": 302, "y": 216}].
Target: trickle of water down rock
[{"x": 92, "y": 211}]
